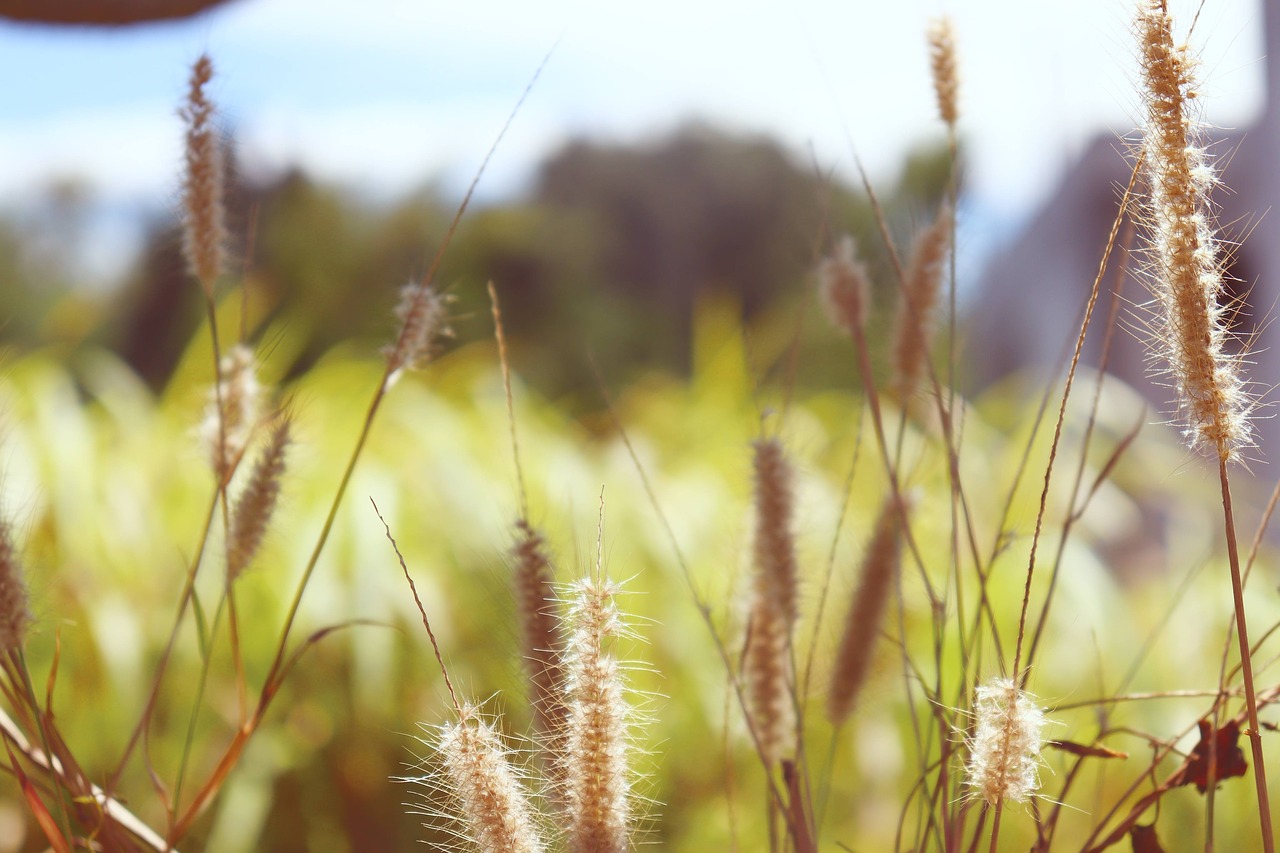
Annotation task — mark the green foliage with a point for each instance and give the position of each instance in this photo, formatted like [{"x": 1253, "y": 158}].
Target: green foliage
[{"x": 111, "y": 486}]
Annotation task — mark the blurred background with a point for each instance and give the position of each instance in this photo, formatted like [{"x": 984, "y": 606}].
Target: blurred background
[
  {"x": 662, "y": 153},
  {"x": 657, "y": 207}
]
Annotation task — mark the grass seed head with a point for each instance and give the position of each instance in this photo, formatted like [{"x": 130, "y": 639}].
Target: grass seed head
[
  {"x": 423, "y": 321},
  {"x": 1004, "y": 755},
  {"x": 540, "y": 632},
  {"x": 204, "y": 227},
  {"x": 913, "y": 334},
  {"x": 227, "y": 434},
  {"x": 493, "y": 801},
  {"x": 15, "y": 610},
  {"x": 1185, "y": 266},
  {"x": 597, "y": 776},
  {"x": 257, "y": 502},
  {"x": 866, "y": 612},
  {"x": 942, "y": 61},
  {"x": 845, "y": 287}
]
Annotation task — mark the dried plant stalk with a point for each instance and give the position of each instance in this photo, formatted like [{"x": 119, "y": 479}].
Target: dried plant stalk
[
  {"x": 204, "y": 227},
  {"x": 866, "y": 612}
]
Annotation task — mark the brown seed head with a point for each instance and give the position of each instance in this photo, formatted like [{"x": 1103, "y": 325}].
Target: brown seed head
[
  {"x": 942, "y": 61},
  {"x": 845, "y": 287},
  {"x": 775, "y": 558},
  {"x": 257, "y": 502},
  {"x": 866, "y": 612},
  {"x": 768, "y": 674},
  {"x": 15, "y": 612},
  {"x": 204, "y": 218},
  {"x": 540, "y": 633},
  {"x": 913, "y": 337}
]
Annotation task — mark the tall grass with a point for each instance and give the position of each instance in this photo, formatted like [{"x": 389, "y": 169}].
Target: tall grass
[{"x": 927, "y": 687}]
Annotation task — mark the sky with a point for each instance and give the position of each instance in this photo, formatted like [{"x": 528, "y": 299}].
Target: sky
[{"x": 382, "y": 95}]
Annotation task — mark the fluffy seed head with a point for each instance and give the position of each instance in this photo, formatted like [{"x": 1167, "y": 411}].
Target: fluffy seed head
[
  {"x": 913, "y": 336},
  {"x": 597, "y": 785},
  {"x": 423, "y": 321},
  {"x": 228, "y": 435},
  {"x": 257, "y": 502},
  {"x": 15, "y": 612},
  {"x": 1004, "y": 755},
  {"x": 845, "y": 287},
  {"x": 204, "y": 217},
  {"x": 942, "y": 61},
  {"x": 866, "y": 612},
  {"x": 1186, "y": 272},
  {"x": 493, "y": 801}
]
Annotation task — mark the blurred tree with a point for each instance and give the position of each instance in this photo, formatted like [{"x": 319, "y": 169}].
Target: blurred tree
[{"x": 612, "y": 251}]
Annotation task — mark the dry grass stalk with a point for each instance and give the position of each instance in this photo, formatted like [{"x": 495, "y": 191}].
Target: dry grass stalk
[
  {"x": 540, "y": 633},
  {"x": 866, "y": 612},
  {"x": 913, "y": 335},
  {"x": 494, "y": 803},
  {"x": 423, "y": 321},
  {"x": 1186, "y": 267},
  {"x": 597, "y": 785},
  {"x": 257, "y": 502},
  {"x": 1004, "y": 755},
  {"x": 228, "y": 434},
  {"x": 204, "y": 216},
  {"x": 942, "y": 61},
  {"x": 15, "y": 610}
]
